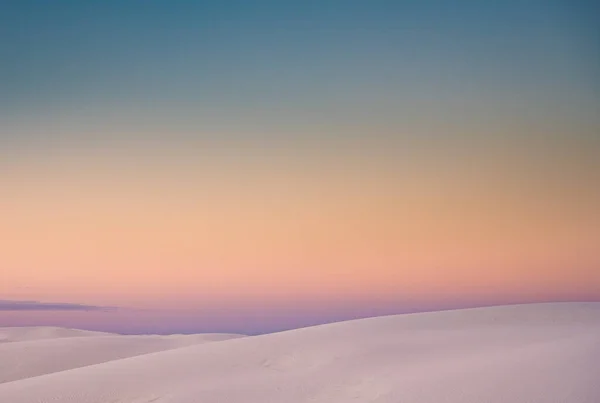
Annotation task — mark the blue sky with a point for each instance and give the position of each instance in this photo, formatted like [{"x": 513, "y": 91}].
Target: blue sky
[{"x": 292, "y": 67}]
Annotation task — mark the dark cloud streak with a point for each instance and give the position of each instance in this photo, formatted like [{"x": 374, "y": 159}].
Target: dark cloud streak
[{"x": 8, "y": 305}]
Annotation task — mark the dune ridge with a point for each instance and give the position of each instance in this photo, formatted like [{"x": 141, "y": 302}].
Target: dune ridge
[
  {"x": 25, "y": 333},
  {"x": 536, "y": 353}
]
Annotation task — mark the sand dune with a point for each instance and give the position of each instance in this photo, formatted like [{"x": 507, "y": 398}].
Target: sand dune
[
  {"x": 526, "y": 353},
  {"x": 12, "y": 334},
  {"x": 25, "y": 359}
]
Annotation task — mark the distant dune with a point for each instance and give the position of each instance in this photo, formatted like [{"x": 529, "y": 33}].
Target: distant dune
[
  {"x": 537, "y": 353},
  {"x": 10, "y": 334}
]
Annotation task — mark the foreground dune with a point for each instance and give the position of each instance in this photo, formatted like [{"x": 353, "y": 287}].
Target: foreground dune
[{"x": 522, "y": 353}]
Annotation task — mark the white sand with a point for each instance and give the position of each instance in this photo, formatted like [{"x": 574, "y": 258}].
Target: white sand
[
  {"x": 10, "y": 334},
  {"x": 25, "y": 359},
  {"x": 518, "y": 354}
]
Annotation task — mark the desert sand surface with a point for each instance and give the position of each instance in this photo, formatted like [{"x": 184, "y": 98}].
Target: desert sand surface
[
  {"x": 28, "y": 358},
  {"x": 520, "y": 354}
]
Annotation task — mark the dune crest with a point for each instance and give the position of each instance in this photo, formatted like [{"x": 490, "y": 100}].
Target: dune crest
[{"x": 26, "y": 333}]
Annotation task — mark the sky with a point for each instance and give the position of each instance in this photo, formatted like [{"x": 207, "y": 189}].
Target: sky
[{"x": 255, "y": 166}]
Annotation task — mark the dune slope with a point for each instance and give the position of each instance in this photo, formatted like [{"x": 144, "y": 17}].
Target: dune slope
[
  {"x": 25, "y": 359},
  {"x": 525, "y": 353}
]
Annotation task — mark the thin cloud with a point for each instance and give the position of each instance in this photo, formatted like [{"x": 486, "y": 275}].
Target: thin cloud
[{"x": 9, "y": 305}]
